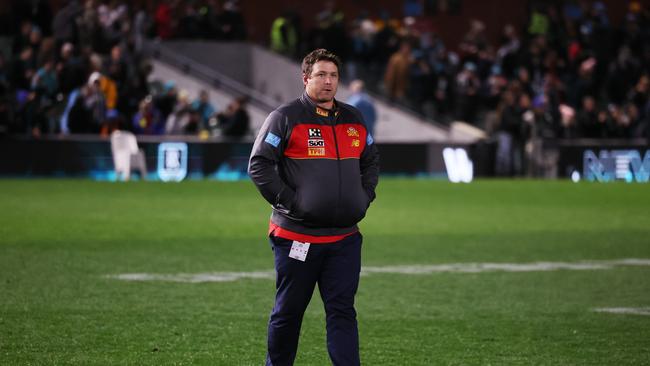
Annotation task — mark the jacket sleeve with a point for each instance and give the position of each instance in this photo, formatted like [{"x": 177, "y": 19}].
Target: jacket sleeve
[
  {"x": 263, "y": 168},
  {"x": 370, "y": 167}
]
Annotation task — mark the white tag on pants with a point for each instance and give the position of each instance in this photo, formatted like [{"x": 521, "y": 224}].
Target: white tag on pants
[{"x": 299, "y": 250}]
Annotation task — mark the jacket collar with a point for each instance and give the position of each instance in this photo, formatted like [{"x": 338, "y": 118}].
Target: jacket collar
[{"x": 307, "y": 101}]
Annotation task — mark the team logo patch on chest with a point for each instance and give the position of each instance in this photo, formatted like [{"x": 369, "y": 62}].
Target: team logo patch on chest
[{"x": 352, "y": 132}]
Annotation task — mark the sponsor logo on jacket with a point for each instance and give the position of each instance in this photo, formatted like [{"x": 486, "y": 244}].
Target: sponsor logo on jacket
[
  {"x": 315, "y": 143},
  {"x": 316, "y": 151},
  {"x": 314, "y": 133}
]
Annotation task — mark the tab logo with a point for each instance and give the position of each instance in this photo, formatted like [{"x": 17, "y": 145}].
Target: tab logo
[
  {"x": 316, "y": 151},
  {"x": 314, "y": 133},
  {"x": 352, "y": 132}
]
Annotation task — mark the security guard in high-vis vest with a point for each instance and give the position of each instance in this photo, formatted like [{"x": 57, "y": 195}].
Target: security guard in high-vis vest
[
  {"x": 284, "y": 37},
  {"x": 316, "y": 164}
]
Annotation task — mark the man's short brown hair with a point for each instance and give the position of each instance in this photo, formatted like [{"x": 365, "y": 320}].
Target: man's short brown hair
[{"x": 320, "y": 54}]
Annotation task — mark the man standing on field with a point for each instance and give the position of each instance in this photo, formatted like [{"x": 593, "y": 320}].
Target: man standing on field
[{"x": 316, "y": 164}]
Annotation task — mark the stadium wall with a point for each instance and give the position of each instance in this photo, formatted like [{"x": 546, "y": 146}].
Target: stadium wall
[{"x": 90, "y": 156}]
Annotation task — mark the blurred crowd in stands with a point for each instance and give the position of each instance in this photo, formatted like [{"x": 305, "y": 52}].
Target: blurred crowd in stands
[
  {"x": 567, "y": 71},
  {"x": 82, "y": 70}
]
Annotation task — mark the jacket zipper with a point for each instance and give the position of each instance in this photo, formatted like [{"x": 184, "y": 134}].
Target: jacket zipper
[{"x": 338, "y": 165}]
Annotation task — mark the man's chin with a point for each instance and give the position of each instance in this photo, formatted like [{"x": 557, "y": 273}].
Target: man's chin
[{"x": 325, "y": 99}]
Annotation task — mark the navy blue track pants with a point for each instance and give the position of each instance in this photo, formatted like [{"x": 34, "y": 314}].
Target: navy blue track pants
[{"x": 335, "y": 267}]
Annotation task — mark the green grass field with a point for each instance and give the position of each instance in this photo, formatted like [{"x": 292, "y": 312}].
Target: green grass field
[{"x": 59, "y": 239}]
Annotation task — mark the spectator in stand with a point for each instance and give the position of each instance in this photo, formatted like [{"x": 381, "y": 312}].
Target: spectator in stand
[
  {"x": 284, "y": 35},
  {"x": 467, "y": 90},
  {"x": 443, "y": 88},
  {"x": 35, "y": 43},
  {"x": 164, "y": 20},
  {"x": 148, "y": 120},
  {"x": 63, "y": 25},
  {"x": 96, "y": 101},
  {"x": 360, "y": 52},
  {"x": 509, "y": 136},
  {"x": 45, "y": 82},
  {"x": 360, "y": 100},
  {"x": 188, "y": 24},
  {"x": 473, "y": 42},
  {"x": 75, "y": 115},
  {"x": 330, "y": 31},
  {"x": 640, "y": 97},
  {"x": 621, "y": 75},
  {"x": 385, "y": 43},
  {"x": 22, "y": 70},
  {"x": 508, "y": 51},
  {"x": 117, "y": 69},
  {"x": 204, "y": 108},
  {"x": 88, "y": 27},
  {"x": 207, "y": 19},
  {"x": 180, "y": 118},
  {"x": 107, "y": 87},
  {"x": 142, "y": 23},
  {"x": 588, "y": 120},
  {"x": 70, "y": 69},
  {"x": 231, "y": 22},
  {"x": 624, "y": 121},
  {"x": 586, "y": 84},
  {"x": 421, "y": 81},
  {"x": 397, "y": 73},
  {"x": 21, "y": 40},
  {"x": 569, "y": 126},
  {"x": 234, "y": 121},
  {"x": 166, "y": 101}
]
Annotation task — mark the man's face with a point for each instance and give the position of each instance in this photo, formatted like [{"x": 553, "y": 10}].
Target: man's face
[{"x": 321, "y": 85}]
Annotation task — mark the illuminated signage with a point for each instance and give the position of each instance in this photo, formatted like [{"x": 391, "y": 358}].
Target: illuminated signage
[
  {"x": 610, "y": 165},
  {"x": 172, "y": 161}
]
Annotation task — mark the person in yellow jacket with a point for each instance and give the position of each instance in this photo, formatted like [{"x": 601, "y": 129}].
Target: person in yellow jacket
[
  {"x": 284, "y": 37},
  {"x": 108, "y": 88}
]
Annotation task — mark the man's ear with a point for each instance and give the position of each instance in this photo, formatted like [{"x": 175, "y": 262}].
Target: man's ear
[{"x": 305, "y": 77}]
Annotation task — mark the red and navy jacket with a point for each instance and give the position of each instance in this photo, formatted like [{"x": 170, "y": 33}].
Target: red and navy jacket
[{"x": 318, "y": 168}]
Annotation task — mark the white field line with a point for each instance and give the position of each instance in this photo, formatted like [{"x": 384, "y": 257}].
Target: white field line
[
  {"x": 405, "y": 269},
  {"x": 194, "y": 277},
  {"x": 632, "y": 311}
]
